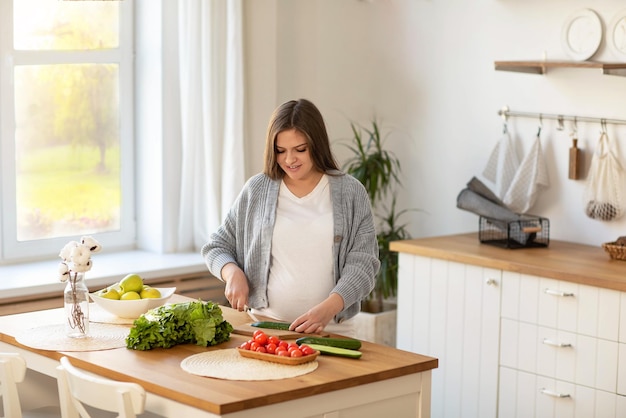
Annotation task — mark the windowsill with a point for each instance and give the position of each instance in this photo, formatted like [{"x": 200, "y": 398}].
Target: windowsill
[{"x": 41, "y": 277}]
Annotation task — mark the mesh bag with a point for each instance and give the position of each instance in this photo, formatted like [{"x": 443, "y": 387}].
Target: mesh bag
[{"x": 604, "y": 191}]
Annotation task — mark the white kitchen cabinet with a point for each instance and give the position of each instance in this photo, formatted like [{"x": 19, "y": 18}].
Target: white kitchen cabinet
[
  {"x": 572, "y": 337},
  {"x": 511, "y": 344},
  {"x": 526, "y": 395},
  {"x": 560, "y": 355},
  {"x": 452, "y": 309}
]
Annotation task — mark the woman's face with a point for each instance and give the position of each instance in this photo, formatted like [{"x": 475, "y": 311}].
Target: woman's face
[{"x": 293, "y": 155}]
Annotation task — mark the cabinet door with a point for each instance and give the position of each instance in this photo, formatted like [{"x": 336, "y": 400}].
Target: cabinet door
[{"x": 451, "y": 311}]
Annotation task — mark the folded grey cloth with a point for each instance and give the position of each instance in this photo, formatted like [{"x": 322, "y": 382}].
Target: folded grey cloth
[
  {"x": 479, "y": 187},
  {"x": 474, "y": 202}
]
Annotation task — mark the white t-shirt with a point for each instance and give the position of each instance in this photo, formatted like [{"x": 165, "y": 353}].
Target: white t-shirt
[{"x": 301, "y": 269}]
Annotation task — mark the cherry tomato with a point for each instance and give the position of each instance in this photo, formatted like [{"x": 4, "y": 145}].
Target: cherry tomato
[
  {"x": 284, "y": 344},
  {"x": 292, "y": 346},
  {"x": 254, "y": 346},
  {"x": 306, "y": 350},
  {"x": 261, "y": 349},
  {"x": 296, "y": 353},
  {"x": 246, "y": 345},
  {"x": 273, "y": 340},
  {"x": 271, "y": 348},
  {"x": 260, "y": 337},
  {"x": 283, "y": 353}
]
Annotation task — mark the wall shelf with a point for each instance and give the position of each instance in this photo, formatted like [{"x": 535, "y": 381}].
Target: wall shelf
[{"x": 541, "y": 67}]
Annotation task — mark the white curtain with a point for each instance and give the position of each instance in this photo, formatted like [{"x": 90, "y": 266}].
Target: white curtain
[{"x": 211, "y": 92}]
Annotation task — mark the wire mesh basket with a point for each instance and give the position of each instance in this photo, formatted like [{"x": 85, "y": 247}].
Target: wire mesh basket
[{"x": 528, "y": 231}]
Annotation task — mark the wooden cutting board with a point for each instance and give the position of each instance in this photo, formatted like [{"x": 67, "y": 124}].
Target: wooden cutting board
[{"x": 247, "y": 329}]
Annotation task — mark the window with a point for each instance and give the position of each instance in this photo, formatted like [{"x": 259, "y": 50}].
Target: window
[{"x": 66, "y": 125}]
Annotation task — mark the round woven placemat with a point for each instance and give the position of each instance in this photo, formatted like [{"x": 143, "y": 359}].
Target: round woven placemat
[
  {"x": 52, "y": 337},
  {"x": 229, "y": 365}
]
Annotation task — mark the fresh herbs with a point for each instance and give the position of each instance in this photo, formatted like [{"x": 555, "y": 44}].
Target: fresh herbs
[{"x": 195, "y": 322}]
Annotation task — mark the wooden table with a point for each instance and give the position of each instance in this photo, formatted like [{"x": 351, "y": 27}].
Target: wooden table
[{"x": 384, "y": 379}]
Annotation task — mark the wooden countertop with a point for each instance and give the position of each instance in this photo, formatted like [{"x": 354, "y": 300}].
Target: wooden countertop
[
  {"x": 159, "y": 371},
  {"x": 561, "y": 260}
]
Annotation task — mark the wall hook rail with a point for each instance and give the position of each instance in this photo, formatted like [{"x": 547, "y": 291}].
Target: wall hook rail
[{"x": 505, "y": 113}]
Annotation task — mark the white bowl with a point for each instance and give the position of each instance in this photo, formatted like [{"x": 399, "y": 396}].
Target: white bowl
[{"x": 133, "y": 308}]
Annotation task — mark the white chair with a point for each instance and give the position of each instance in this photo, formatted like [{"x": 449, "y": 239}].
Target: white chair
[
  {"x": 78, "y": 389},
  {"x": 12, "y": 372}
]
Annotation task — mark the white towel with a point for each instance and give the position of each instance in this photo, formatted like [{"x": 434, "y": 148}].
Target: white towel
[
  {"x": 502, "y": 165},
  {"x": 530, "y": 179}
]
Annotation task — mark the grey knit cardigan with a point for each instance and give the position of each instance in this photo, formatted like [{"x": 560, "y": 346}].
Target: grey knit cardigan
[{"x": 245, "y": 239}]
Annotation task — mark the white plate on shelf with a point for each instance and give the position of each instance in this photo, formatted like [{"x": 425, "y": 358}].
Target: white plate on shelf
[
  {"x": 581, "y": 34},
  {"x": 616, "y": 34}
]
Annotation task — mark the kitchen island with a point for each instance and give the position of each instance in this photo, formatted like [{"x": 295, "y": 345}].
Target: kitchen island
[
  {"x": 384, "y": 379},
  {"x": 518, "y": 332}
]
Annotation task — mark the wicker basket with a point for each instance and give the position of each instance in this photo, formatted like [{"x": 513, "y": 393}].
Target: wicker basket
[{"x": 617, "y": 252}]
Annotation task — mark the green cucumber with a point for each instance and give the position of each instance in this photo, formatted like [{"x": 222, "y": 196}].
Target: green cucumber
[
  {"x": 283, "y": 326},
  {"x": 336, "y": 351},
  {"x": 347, "y": 343}
]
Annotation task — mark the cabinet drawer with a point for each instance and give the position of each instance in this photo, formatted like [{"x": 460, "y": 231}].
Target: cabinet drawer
[
  {"x": 526, "y": 395},
  {"x": 581, "y": 309},
  {"x": 561, "y": 355}
]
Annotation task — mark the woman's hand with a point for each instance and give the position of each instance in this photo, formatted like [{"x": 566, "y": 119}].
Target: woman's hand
[
  {"x": 236, "y": 290},
  {"x": 314, "y": 321}
]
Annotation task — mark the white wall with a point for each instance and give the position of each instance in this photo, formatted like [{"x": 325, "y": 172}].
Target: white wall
[{"x": 425, "y": 68}]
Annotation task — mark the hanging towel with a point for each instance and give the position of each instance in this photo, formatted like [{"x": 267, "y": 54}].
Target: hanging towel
[
  {"x": 502, "y": 164},
  {"x": 530, "y": 178}
]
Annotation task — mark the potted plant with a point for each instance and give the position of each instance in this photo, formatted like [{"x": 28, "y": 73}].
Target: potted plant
[{"x": 379, "y": 171}]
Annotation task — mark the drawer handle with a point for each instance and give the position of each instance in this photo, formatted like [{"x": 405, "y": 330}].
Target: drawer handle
[
  {"x": 491, "y": 282},
  {"x": 553, "y": 394},
  {"x": 558, "y": 293},
  {"x": 555, "y": 344}
]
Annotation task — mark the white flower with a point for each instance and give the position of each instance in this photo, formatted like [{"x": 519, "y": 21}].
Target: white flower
[
  {"x": 81, "y": 268},
  {"x": 64, "y": 272},
  {"x": 66, "y": 252},
  {"x": 94, "y": 246},
  {"x": 80, "y": 254},
  {"x": 77, "y": 257}
]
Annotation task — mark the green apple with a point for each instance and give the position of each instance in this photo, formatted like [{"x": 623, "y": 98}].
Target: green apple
[
  {"x": 110, "y": 293},
  {"x": 150, "y": 293},
  {"x": 132, "y": 295},
  {"x": 131, "y": 283}
]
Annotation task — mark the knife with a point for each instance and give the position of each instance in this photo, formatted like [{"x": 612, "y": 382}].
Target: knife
[{"x": 250, "y": 314}]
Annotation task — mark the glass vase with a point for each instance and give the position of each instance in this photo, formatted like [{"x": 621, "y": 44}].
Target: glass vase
[{"x": 76, "y": 297}]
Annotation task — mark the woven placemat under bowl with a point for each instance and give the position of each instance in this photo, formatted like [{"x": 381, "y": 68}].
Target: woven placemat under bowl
[
  {"x": 97, "y": 314},
  {"x": 229, "y": 365},
  {"x": 52, "y": 337}
]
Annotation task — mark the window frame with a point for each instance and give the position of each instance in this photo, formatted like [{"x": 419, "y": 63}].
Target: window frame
[{"x": 12, "y": 250}]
